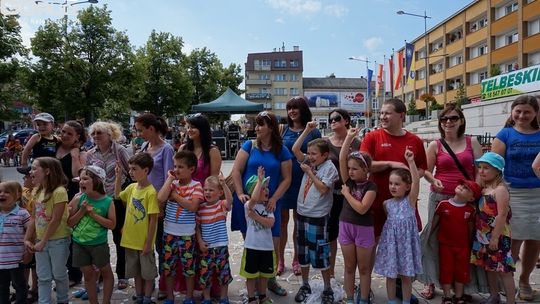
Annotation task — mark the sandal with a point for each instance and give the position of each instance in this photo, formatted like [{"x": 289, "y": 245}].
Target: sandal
[
  {"x": 280, "y": 268},
  {"x": 526, "y": 293},
  {"x": 32, "y": 297},
  {"x": 428, "y": 292},
  {"x": 122, "y": 284},
  {"x": 266, "y": 300},
  {"x": 460, "y": 300},
  {"x": 327, "y": 297},
  {"x": 296, "y": 268},
  {"x": 274, "y": 287},
  {"x": 302, "y": 293},
  {"x": 447, "y": 300}
]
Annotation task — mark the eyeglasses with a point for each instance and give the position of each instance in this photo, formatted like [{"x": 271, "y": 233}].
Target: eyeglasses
[
  {"x": 449, "y": 118},
  {"x": 335, "y": 119},
  {"x": 264, "y": 114},
  {"x": 95, "y": 133}
]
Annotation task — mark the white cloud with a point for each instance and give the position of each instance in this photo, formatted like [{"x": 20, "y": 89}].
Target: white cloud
[
  {"x": 279, "y": 20},
  {"x": 296, "y": 6},
  {"x": 372, "y": 43},
  {"x": 336, "y": 10}
]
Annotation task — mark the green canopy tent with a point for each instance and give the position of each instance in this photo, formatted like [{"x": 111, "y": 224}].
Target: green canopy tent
[{"x": 229, "y": 102}]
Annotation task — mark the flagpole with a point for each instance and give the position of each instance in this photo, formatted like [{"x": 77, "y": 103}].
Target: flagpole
[
  {"x": 404, "y": 69},
  {"x": 392, "y": 74},
  {"x": 368, "y": 118},
  {"x": 384, "y": 77}
]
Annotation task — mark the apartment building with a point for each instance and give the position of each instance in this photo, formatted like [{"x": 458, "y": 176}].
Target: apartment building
[
  {"x": 485, "y": 38},
  {"x": 273, "y": 78}
]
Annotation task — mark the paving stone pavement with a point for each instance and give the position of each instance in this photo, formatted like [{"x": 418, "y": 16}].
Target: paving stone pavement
[{"x": 288, "y": 280}]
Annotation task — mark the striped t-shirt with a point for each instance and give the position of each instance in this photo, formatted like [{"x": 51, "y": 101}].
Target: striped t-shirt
[
  {"x": 13, "y": 226},
  {"x": 213, "y": 222},
  {"x": 180, "y": 221}
]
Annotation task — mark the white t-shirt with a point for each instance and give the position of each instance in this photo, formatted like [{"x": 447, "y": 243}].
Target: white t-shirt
[
  {"x": 312, "y": 203},
  {"x": 257, "y": 236}
]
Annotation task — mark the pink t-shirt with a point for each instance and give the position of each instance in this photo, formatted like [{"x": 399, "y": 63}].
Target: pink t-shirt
[
  {"x": 202, "y": 171},
  {"x": 446, "y": 170}
]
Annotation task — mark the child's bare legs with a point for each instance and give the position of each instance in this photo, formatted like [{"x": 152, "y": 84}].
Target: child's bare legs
[
  {"x": 148, "y": 287},
  {"x": 509, "y": 286},
  {"x": 251, "y": 284},
  {"x": 261, "y": 287},
  {"x": 224, "y": 291},
  {"x": 391, "y": 289},
  {"x": 458, "y": 289},
  {"x": 169, "y": 280},
  {"x": 493, "y": 283},
  {"x": 406, "y": 288},
  {"x": 363, "y": 256},
  {"x": 108, "y": 283},
  {"x": 190, "y": 284},
  {"x": 349, "y": 257},
  {"x": 90, "y": 283},
  {"x": 447, "y": 290}
]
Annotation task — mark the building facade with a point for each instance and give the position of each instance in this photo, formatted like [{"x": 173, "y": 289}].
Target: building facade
[
  {"x": 486, "y": 38},
  {"x": 273, "y": 78}
]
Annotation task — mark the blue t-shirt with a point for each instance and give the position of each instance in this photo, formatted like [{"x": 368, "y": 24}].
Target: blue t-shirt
[
  {"x": 272, "y": 168},
  {"x": 288, "y": 200},
  {"x": 521, "y": 150}
]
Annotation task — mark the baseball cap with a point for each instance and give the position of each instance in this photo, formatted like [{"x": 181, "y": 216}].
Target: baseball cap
[
  {"x": 473, "y": 186},
  {"x": 24, "y": 170},
  {"x": 98, "y": 171},
  {"x": 493, "y": 159},
  {"x": 46, "y": 117},
  {"x": 252, "y": 181}
]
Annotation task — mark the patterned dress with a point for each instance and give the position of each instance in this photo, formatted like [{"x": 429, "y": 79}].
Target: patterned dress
[
  {"x": 500, "y": 260},
  {"x": 399, "y": 247}
]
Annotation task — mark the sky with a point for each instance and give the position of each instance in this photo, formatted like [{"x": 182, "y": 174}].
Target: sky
[{"x": 327, "y": 31}]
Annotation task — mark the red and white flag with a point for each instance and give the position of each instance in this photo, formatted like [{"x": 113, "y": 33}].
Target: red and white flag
[
  {"x": 399, "y": 68},
  {"x": 389, "y": 76},
  {"x": 379, "y": 83}
]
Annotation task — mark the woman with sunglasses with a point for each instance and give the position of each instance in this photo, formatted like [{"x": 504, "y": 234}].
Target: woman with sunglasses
[
  {"x": 105, "y": 153},
  {"x": 298, "y": 115},
  {"x": 268, "y": 151},
  {"x": 447, "y": 176},
  {"x": 340, "y": 122},
  {"x": 519, "y": 142},
  {"x": 152, "y": 129}
]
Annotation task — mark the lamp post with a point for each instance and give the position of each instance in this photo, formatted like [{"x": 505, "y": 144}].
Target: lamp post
[
  {"x": 426, "y": 17},
  {"x": 368, "y": 102}
]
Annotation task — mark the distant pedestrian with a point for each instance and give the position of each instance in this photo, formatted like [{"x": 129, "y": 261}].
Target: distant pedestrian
[{"x": 43, "y": 143}]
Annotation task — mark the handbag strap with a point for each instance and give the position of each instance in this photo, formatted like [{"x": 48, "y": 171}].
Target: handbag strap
[{"x": 454, "y": 157}]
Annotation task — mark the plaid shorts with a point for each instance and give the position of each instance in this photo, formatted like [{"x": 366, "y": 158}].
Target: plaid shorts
[
  {"x": 175, "y": 247},
  {"x": 215, "y": 260},
  {"x": 312, "y": 243}
]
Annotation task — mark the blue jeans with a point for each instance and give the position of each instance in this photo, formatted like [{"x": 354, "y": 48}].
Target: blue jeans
[{"x": 51, "y": 264}]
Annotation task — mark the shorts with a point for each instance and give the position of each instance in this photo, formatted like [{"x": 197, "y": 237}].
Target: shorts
[
  {"x": 138, "y": 264},
  {"x": 454, "y": 264},
  {"x": 312, "y": 243},
  {"x": 361, "y": 236},
  {"x": 87, "y": 255},
  {"x": 215, "y": 261},
  {"x": 333, "y": 222},
  {"x": 175, "y": 247},
  {"x": 258, "y": 263}
]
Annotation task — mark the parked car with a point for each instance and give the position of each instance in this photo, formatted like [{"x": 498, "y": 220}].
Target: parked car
[{"x": 22, "y": 135}]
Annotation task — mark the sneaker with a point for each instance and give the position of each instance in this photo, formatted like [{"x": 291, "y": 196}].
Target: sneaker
[
  {"x": 202, "y": 302},
  {"x": 188, "y": 301},
  {"x": 327, "y": 297},
  {"x": 80, "y": 293},
  {"x": 162, "y": 295},
  {"x": 266, "y": 300},
  {"x": 493, "y": 299},
  {"x": 302, "y": 293},
  {"x": 224, "y": 301},
  {"x": 167, "y": 301}
]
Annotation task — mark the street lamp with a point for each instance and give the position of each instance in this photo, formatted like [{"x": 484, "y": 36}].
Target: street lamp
[
  {"x": 368, "y": 102},
  {"x": 426, "y": 17}
]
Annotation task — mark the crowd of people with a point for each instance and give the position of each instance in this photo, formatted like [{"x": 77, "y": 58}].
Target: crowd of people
[{"x": 482, "y": 215}]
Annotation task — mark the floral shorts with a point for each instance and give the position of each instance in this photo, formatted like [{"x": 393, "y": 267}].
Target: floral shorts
[
  {"x": 175, "y": 247},
  {"x": 215, "y": 260}
]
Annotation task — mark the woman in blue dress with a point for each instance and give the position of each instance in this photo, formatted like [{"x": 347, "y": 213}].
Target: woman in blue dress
[{"x": 266, "y": 150}]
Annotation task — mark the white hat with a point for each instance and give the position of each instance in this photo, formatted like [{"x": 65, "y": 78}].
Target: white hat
[
  {"x": 46, "y": 117},
  {"x": 98, "y": 171}
]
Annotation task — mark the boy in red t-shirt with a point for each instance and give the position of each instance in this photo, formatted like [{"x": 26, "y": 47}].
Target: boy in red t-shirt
[{"x": 455, "y": 220}]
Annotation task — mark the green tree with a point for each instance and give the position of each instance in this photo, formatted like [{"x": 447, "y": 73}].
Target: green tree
[
  {"x": 82, "y": 66},
  {"x": 165, "y": 87},
  {"x": 461, "y": 96},
  {"x": 411, "y": 109},
  {"x": 11, "y": 50},
  {"x": 494, "y": 70}
]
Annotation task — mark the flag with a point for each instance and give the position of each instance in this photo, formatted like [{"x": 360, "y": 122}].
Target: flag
[
  {"x": 378, "y": 85},
  {"x": 399, "y": 74},
  {"x": 409, "y": 52},
  {"x": 389, "y": 79},
  {"x": 369, "y": 77},
  {"x": 412, "y": 72}
]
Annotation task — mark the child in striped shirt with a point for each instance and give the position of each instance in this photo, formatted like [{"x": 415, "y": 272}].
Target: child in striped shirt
[
  {"x": 182, "y": 196},
  {"x": 212, "y": 237}
]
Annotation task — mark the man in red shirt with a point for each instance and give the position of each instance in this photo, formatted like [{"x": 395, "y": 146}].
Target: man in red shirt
[{"x": 387, "y": 148}]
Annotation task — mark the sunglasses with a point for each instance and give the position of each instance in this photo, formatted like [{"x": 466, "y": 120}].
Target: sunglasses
[
  {"x": 264, "y": 114},
  {"x": 96, "y": 133},
  {"x": 194, "y": 115},
  {"x": 336, "y": 118},
  {"x": 449, "y": 118}
]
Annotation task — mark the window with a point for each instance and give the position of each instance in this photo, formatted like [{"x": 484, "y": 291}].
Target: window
[
  {"x": 436, "y": 68},
  {"x": 421, "y": 74},
  {"x": 294, "y": 63},
  {"x": 455, "y": 60},
  {"x": 477, "y": 76},
  {"x": 533, "y": 59},
  {"x": 279, "y": 105},
  {"x": 294, "y": 92},
  {"x": 374, "y": 104},
  {"x": 280, "y": 77},
  {"x": 264, "y": 77},
  {"x": 506, "y": 39},
  {"x": 280, "y": 63},
  {"x": 511, "y": 38},
  {"x": 263, "y": 90},
  {"x": 477, "y": 51},
  {"x": 506, "y": 9},
  {"x": 508, "y": 67},
  {"x": 294, "y": 77},
  {"x": 511, "y": 8},
  {"x": 435, "y": 46},
  {"x": 477, "y": 24},
  {"x": 421, "y": 54},
  {"x": 280, "y": 91},
  {"x": 533, "y": 27},
  {"x": 437, "y": 89}
]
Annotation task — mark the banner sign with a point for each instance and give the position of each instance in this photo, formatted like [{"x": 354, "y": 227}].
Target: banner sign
[
  {"x": 351, "y": 101},
  {"x": 513, "y": 83}
]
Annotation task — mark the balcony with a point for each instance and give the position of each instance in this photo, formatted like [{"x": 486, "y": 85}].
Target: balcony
[
  {"x": 531, "y": 43},
  {"x": 435, "y": 78},
  {"x": 476, "y": 63},
  {"x": 504, "y": 24},
  {"x": 473, "y": 90},
  {"x": 258, "y": 82},
  {"x": 531, "y": 10},
  {"x": 475, "y": 37},
  {"x": 505, "y": 53},
  {"x": 260, "y": 67},
  {"x": 258, "y": 96},
  {"x": 454, "y": 71}
]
